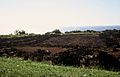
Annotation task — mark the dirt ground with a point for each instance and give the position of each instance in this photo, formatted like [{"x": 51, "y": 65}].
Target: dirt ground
[{"x": 53, "y": 50}]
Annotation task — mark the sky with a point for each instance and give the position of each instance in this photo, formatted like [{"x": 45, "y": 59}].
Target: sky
[{"x": 40, "y": 16}]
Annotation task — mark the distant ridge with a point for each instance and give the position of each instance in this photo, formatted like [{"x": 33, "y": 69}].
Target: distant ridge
[{"x": 96, "y": 28}]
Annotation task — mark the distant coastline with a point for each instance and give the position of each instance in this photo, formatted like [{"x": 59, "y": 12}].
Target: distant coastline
[{"x": 96, "y": 28}]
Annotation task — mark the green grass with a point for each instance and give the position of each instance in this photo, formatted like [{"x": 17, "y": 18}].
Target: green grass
[
  {"x": 13, "y": 67},
  {"x": 17, "y": 36}
]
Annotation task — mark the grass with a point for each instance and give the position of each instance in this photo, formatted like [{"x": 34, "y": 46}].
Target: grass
[
  {"x": 13, "y": 67},
  {"x": 14, "y": 36}
]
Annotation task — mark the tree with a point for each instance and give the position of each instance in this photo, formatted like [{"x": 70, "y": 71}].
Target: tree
[
  {"x": 20, "y": 32},
  {"x": 56, "y": 31},
  {"x": 16, "y": 32},
  {"x": 47, "y": 33}
]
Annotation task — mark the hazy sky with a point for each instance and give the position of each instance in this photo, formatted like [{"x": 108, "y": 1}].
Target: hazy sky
[{"x": 40, "y": 16}]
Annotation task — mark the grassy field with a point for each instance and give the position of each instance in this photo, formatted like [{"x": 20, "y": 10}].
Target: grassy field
[{"x": 13, "y": 67}]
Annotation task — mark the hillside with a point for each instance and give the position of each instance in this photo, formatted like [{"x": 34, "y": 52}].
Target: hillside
[
  {"x": 67, "y": 49},
  {"x": 54, "y": 40},
  {"x": 12, "y": 67}
]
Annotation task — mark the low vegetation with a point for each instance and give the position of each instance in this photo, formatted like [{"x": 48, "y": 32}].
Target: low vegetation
[
  {"x": 79, "y": 49},
  {"x": 13, "y": 67}
]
